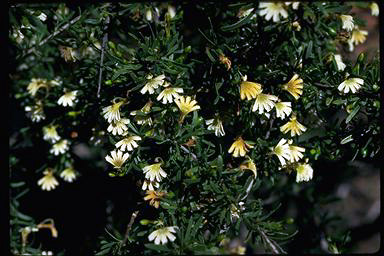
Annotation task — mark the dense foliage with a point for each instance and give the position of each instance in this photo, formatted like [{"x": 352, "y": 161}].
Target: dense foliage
[{"x": 222, "y": 114}]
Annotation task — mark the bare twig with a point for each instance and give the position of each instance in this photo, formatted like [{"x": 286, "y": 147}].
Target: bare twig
[
  {"x": 105, "y": 39},
  {"x": 270, "y": 127},
  {"x": 67, "y": 25},
  {"x": 129, "y": 226}
]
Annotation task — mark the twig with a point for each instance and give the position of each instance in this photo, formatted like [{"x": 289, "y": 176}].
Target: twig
[
  {"x": 270, "y": 127},
  {"x": 67, "y": 25},
  {"x": 272, "y": 244},
  {"x": 129, "y": 226},
  {"x": 189, "y": 152},
  {"x": 105, "y": 39},
  {"x": 248, "y": 190}
]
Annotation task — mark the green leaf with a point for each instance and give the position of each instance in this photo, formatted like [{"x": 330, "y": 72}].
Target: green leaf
[
  {"x": 157, "y": 247},
  {"x": 237, "y": 24},
  {"x": 352, "y": 114}
]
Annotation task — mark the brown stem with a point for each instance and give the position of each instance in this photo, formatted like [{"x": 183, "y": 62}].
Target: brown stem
[{"x": 129, "y": 226}]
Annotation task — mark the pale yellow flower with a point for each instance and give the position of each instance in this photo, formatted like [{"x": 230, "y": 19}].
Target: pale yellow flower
[
  {"x": 216, "y": 125},
  {"x": 169, "y": 93},
  {"x": 68, "y": 174},
  {"x": 249, "y": 165},
  {"x": 351, "y": 84},
  {"x": 142, "y": 120},
  {"x": 295, "y": 151},
  {"x": 339, "y": 62},
  {"x": 48, "y": 182},
  {"x": 239, "y": 147},
  {"x": 294, "y": 126},
  {"x": 264, "y": 102},
  {"x": 249, "y": 90},
  {"x": 162, "y": 235},
  {"x": 50, "y": 133},
  {"x": 154, "y": 172},
  {"x": 152, "y": 84},
  {"x": 118, "y": 127},
  {"x": 117, "y": 159},
  {"x": 295, "y": 5},
  {"x": 374, "y": 9},
  {"x": 358, "y": 37},
  {"x": 273, "y": 9},
  {"x": 67, "y": 99},
  {"x": 186, "y": 105},
  {"x": 281, "y": 150},
  {"x": 304, "y": 172},
  {"x": 112, "y": 112},
  {"x": 154, "y": 197},
  {"x": 283, "y": 109},
  {"x": 36, "y": 84},
  {"x": 60, "y": 147},
  {"x": 35, "y": 112},
  {"x": 347, "y": 21},
  {"x": 294, "y": 86},
  {"x": 129, "y": 143},
  {"x": 150, "y": 185},
  {"x": 296, "y": 25}
]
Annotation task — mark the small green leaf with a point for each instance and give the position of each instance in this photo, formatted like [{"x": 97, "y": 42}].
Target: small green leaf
[{"x": 352, "y": 114}]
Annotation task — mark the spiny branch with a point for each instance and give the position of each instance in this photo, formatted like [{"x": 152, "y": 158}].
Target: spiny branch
[{"x": 67, "y": 25}]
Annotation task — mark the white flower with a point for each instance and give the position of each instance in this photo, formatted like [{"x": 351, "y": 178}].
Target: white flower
[
  {"x": 274, "y": 10},
  {"x": 36, "y": 84},
  {"x": 374, "y": 9},
  {"x": 358, "y": 37},
  {"x": 282, "y": 151},
  {"x": 304, "y": 172},
  {"x": 264, "y": 101},
  {"x": 152, "y": 84},
  {"x": 295, "y": 151},
  {"x": 112, "y": 112},
  {"x": 171, "y": 11},
  {"x": 283, "y": 109},
  {"x": 36, "y": 112},
  {"x": 49, "y": 181},
  {"x": 68, "y": 174},
  {"x": 42, "y": 16},
  {"x": 162, "y": 235},
  {"x": 117, "y": 159},
  {"x": 67, "y": 99},
  {"x": 352, "y": 84},
  {"x": 339, "y": 62},
  {"x": 118, "y": 127},
  {"x": 295, "y": 5},
  {"x": 50, "y": 133},
  {"x": 348, "y": 23},
  {"x": 148, "y": 15},
  {"x": 129, "y": 143},
  {"x": 150, "y": 185},
  {"x": 154, "y": 172},
  {"x": 60, "y": 147},
  {"x": 217, "y": 125},
  {"x": 169, "y": 93}
]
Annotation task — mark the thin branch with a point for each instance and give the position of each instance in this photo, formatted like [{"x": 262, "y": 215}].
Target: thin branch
[
  {"x": 270, "y": 128},
  {"x": 129, "y": 226},
  {"x": 189, "y": 152},
  {"x": 272, "y": 244},
  {"x": 105, "y": 39},
  {"x": 67, "y": 25}
]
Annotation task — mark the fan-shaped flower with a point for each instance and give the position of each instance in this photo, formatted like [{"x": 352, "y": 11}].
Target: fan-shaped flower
[
  {"x": 117, "y": 159},
  {"x": 35, "y": 112},
  {"x": 68, "y": 174},
  {"x": 273, "y": 9},
  {"x": 264, "y": 102},
  {"x": 67, "y": 99},
  {"x": 283, "y": 109},
  {"x": 50, "y": 133},
  {"x": 48, "y": 182},
  {"x": 154, "y": 172},
  {"x": 118, "y": 127},
  {"x": 150, "y": 185},
  {"x": 162, "y": 235},
  {"x": 347, "y": 21},
  {"x": 169, "y": 93},
  {"x": 304, "y": 172},
  {"x": 358, "y": 37},
  {"x": 216, "y": 125},
  {"x": 294, "y": 126},
  {"x": 239, "y": 147},
  {"x": 249, "y": 90},
  {"x": 249, "y": 165},
  {"x": 186, "y": 105},
  {"x": 112, "y": 112},
  {"x": 152, "y": 84},
  {"x": 281, "y": 150},
  {"x": 351, "y": 84},
  {"x": 374, "y": 9},
  {"x": 154, "y": 197},
  {"x": 129, "y": 143},
  {"x": 294, "y": 86},
  {"x": 295, "y": 5},
  {"x": 35, "y": 85},
  {"x": 295, "y": 151},
  {"x": 339, "y": 62},
  {"x": 60, "y": 147}
]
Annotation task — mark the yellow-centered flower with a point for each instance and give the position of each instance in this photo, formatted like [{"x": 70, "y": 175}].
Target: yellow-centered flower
[
  {"x": 129, "y": 143},
  {"x": 304, "y": 172},
  {"x": 249, "y": 90},
  {"x": 67, "y": 99},
  {"x": 281, "y": 150},
  {"x": 347, "y": 21},
  {"x": 374, "y": 9},
  {"x": 152, "y": 84},
  {"x": 50, "y": 133},
  {"x": 274, "y": 9},
  {"x": 294, "y": 126},
  {"x": 249, "y": 165},
  {"x": 239, "y": 147},
  {"x": 264, "y": 102},
  {"x": 68, "y": 174},
  {"x": 283, "y": 109},
  {"x": 36, "y": 84},
  {"x": 117, "y": 159},
  {"x": 162, "y": 235},
  {"x": 169, "y": 93},
  {"x": 150, "y": 185},
  {"x": 118, "y": 127},
  {"x": 351, "y": 84},
  {"x": 186, "y": 105},
  {"x": 112, "y": 112},
  {"x": 154, "y": 172},
  {"x": 48, "y": 182},
  {"x": 358, "y": 37},
  {"x": 294, "y": 86},
  {"x": 154, "y": 197},
  {"x": 295, "y": 151}
]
